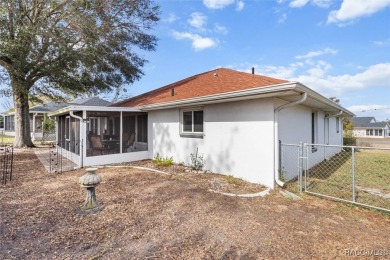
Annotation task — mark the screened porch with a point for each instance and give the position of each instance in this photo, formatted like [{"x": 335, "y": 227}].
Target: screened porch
[{"x": 101, "y": 136}]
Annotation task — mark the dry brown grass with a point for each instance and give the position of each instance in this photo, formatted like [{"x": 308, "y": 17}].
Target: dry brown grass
[{"x": 149, "y": 215}]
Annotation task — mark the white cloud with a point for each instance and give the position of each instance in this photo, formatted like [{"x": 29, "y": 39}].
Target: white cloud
[
  {"x": 322, "y": 3},
  {"x": 171, "y": 18},
  {"x": 382, "y": 43},
  {"x": 377, "y": 75},
  {"x": 279, "y": 1},
  {"x": 220, "y": 29},
  {"x": 240, "y": 6},
  {"x": 298, "y": 3},
  {"x": 351, "y": 10},
  {"x": 217, "y": 4},
  {"x": 198, "y": 42},
  {"x": 197, "y": 20},
  {"x": 282, "y": 18},
  {"x": 313, "y": 54},
  {"x": 364, "y": 108}
]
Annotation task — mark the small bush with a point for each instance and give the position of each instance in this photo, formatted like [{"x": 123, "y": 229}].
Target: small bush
[
  {"x": 161, "y": 161},
  {"x": 197, "y": 162},
  {"x": 349, "y": 140}
]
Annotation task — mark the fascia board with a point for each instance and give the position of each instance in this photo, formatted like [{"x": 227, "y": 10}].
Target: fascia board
[
  {"x": 323, "y": 99},
  {"x": 225, "y": 97}
]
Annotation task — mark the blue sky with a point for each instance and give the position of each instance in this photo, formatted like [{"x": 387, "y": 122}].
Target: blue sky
[{"x": 337, "y": 47}]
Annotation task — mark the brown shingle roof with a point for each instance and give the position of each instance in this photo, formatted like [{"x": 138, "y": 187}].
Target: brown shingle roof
[{"x": 209, "y": 83}]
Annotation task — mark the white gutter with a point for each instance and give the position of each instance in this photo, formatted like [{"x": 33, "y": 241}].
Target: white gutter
[
  {"x": 335, "y": 115},
  {"x": 223, "y": 96},
  {"x": 276, "y": 134}
]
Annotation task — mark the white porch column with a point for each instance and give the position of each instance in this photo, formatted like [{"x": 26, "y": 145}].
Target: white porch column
[{"x": 83, "y": 138}]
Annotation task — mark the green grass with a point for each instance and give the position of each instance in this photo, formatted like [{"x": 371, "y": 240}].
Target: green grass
[
  {"x": 4, "y": 139},
  {"x": 334, "y": 177}
]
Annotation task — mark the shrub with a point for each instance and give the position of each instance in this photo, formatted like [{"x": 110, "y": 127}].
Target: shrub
[
  {"x": 197, "y": 162},
  {"x": 349, "y": 140},
  {"x": 161, "y": 161}
]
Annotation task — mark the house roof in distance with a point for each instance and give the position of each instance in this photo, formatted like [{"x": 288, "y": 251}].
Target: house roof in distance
[
  {"x": 53, "y": 106},
  {"x": 367, "y": 122},
  {"x": 92, "y": 101},
  {"x": 213, "y": 82}
]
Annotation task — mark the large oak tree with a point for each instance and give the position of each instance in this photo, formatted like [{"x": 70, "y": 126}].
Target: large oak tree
[{"x": 66, "y": 47}]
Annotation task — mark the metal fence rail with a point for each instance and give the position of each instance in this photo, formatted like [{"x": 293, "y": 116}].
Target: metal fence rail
[
  {"x": 359, "y": 175},
  {"x": 6, "y": 163},
  {"x": 65, "y": 156}
]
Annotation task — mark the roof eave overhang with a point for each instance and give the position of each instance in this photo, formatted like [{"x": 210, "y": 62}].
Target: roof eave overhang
[
  {"x": 67, "y": 109},
  {"x": 259, "y": 92},
  {"x": 253, "y": 93},
  {"x": 311, "y": 93}
]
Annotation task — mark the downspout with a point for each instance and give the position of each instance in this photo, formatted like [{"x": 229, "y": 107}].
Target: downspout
[
  {"x": 81, "y": 131},
  {"x": 276, "y": 135}
]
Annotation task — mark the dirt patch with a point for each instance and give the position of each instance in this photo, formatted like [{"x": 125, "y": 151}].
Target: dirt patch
[
  {"x": 150, "y": 215},
  {"x": 205, "y": 180}
]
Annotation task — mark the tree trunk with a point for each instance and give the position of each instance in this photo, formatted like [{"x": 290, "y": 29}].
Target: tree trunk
[{"x": 22, "y": 119}]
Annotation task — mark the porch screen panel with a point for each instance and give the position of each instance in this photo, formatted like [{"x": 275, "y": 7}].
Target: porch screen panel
[{"x": 142, "y": 128}]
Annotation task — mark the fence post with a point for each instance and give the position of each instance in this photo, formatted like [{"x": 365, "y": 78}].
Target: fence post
[
  {"x": 300, "y": 166},
  {"x": 306, "y": 164},
  {"x": 353, "y": 174}
]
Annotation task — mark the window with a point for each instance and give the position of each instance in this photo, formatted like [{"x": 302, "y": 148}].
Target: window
[
  {"x": 374, "y": 132},
  {"x": 313, "y": 131},
  {"x": 192, "y": 122},
  {"x": 337, "y": 125}
]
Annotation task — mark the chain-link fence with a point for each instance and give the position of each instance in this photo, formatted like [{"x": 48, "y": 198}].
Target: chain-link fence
[
  {"x": 360, "y": 175},
  {"x": 290, "y": 163}
]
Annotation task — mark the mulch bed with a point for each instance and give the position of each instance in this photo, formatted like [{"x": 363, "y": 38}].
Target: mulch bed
[{"x": 148, "y": 216}]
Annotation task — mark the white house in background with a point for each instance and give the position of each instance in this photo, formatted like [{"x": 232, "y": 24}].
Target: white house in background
[
  {"x": 234, "y": 119},
  {"x": 369, "y": 127},
  {"x": 37, "y": 113}
]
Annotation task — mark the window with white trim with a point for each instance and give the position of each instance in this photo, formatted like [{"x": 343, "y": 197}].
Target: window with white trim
[
  {"x": 192, "y": 121},
  {"x": 313, "y": 131}
]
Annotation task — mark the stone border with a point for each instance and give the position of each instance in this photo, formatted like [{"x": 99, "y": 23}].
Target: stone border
[{"x": 249, "y": 195}]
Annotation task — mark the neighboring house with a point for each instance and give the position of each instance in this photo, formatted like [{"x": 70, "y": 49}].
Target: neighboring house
[
  {"x": 1, "y": 122},
  {"x": 369, "y": 127},
  {"x": 36, "y": 115},
  {"x": 234, "y": 119}
]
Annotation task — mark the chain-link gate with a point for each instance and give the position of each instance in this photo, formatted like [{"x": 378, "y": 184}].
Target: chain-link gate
[
  {"x": 359, "y": 175},
  {"x": 6, "y": 163}
]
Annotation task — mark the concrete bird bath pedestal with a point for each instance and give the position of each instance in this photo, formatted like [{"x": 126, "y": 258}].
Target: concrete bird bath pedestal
[{"x": 89, "y": 181}]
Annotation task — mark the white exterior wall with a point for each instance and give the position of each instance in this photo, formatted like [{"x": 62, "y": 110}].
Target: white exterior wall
[
  {"x": 359, "y": 132},
  {"x": 238, "y": 139},
  {"x": 295, "y": 126}
]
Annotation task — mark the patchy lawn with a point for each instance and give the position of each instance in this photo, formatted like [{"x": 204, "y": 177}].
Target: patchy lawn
[
  {"x": 334, "y": 177},
  {"x": 150, "y": 215}
]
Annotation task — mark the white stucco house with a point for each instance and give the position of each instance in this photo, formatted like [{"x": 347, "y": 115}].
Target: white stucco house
[
  {"x": 369, "y": 127},
  {"x": 234, "y": 119}
]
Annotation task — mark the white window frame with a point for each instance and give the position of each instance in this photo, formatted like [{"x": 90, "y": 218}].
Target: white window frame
[
  {"x": 314, "y": 130},
  {"x": 192, "y": 133}
]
